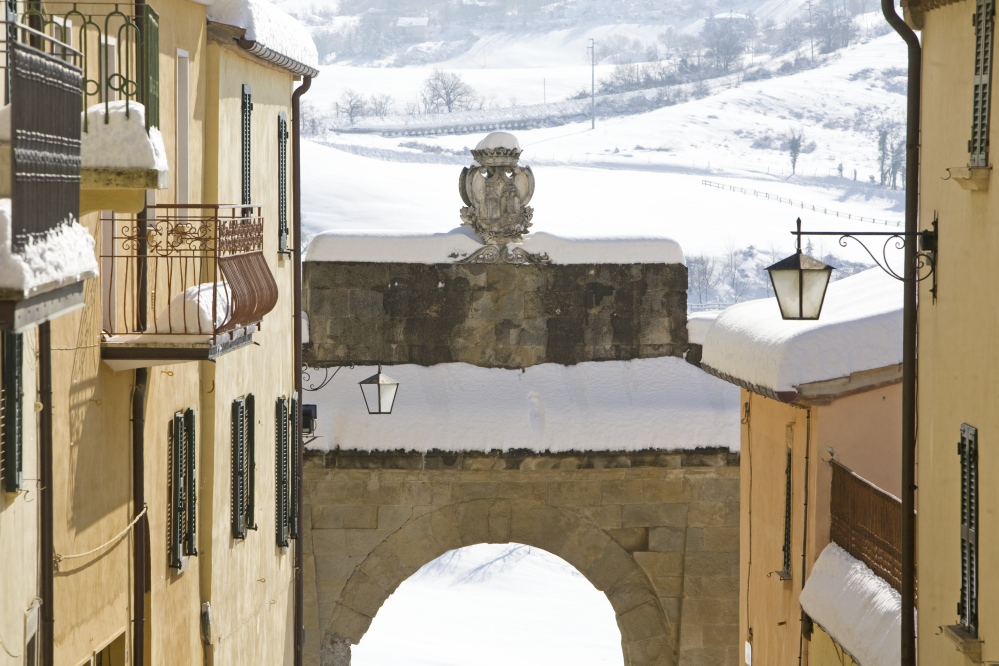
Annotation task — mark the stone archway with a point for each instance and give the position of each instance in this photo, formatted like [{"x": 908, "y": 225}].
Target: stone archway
[
  {"x": 656, "y": 531},
  {"x": 646, "y": 635}
]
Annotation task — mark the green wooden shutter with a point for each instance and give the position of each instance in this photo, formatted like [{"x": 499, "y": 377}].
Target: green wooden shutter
[
  {"x": 11, "y": 417},
  {"x": 191, "y": 532},
  {"x": 178, "y": 487},
  {"x": 247, "y": 110},
  {"x": 250, "y": 446},
  {"x": 281, "y": 484},
  {"x": 239, "y": 468},
  {"x": 295, "y": 481},
  {"x": 282, "y": 182},
  {"x": 983, "y": 20},
  {"x": 787, "y": 514},
  {"x": 967, "y": 608}
]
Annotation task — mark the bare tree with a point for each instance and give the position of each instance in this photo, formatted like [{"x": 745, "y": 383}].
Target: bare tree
[
  {"x": 732, "y": 272},
  {"x": 666, "y": 38},
  {"x": 795, "y": 138},
  {"x": 381, "y": 105},
  {"x": 447, "y": 92},
  {"x": 352, "y": 104},
  {"x": 702, "y": 276}
]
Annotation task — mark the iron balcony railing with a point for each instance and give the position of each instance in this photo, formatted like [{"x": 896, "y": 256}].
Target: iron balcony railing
[
  {"x": 185, "y": 270},
  {"x": 867, "y": 523},
  {"x": 120, "y": 47}
]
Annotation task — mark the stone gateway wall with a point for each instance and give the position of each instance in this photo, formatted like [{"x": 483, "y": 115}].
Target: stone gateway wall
[
  {"x": 493, "y": 315},
  {"x": 657, "y": 532}
]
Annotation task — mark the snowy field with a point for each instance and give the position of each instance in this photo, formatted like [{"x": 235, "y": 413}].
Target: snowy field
[{"x": 493, "y": 605}]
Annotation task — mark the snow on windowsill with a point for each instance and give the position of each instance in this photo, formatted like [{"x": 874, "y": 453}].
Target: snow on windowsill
[
  {"x": 267, "y": 24},
  {"x": 860, "y": 329},
  {"x": 116, "y": 141},
  {"x": 858, "y": 609},
  {"x": 658, "y": 403},
  {"x": 62, "y": 256},
  {"x": 443, "y": 248}
]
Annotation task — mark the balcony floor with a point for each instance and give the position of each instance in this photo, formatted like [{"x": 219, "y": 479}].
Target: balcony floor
[{"x": 127, "y": 352}]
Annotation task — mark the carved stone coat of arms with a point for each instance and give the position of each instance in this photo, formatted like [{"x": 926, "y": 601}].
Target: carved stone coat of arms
[{"x": 496, "y": 191}]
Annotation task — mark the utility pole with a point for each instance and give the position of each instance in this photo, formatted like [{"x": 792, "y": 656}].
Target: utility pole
[
  {"x": 544, "y": 90},
  {"x": 593, "y": 83},
  {"x": 811, "y": 43}
]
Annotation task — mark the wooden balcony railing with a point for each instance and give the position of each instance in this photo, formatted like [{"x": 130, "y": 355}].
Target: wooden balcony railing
[
  {"x": 192, "y": 273},
  {"x": 867, "y": 523}
]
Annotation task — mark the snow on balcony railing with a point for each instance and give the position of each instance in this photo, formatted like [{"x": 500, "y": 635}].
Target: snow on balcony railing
[{"x": 190, "y": 270}]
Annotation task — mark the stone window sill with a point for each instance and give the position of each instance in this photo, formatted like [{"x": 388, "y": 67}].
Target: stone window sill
[
  {"x": 965, "y": 641},
  {"x": 975, "y": 179}
]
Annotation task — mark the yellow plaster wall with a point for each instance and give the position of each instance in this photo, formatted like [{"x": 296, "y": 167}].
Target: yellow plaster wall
[
  {"x": 823, "y": 651},
  {"x": 19, "y": 526},
  {"x": 958, "y": 352}
]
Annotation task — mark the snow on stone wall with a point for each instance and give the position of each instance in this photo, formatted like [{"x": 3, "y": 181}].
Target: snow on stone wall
[
  {"x": 65, "y": 254},
  {"x": 859, "y": 610},
  {"x": 860, "y": 329},
  {"x": 268, "y": 25}
]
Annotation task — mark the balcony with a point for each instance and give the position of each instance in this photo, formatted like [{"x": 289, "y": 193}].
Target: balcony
[
  {"x": 119, "y": 43},
  {"x": 45, "y": 254},
  {"x": 187, "y": 283}
]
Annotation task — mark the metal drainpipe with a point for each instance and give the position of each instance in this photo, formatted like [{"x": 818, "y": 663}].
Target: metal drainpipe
[
  {"x": 45, "y": 477},
  {"x": 296, "y": 135},
  {"x": 909, "y": 368},
  {"x": 139, "y": 532},
  {"x": 804, "y": 535}
]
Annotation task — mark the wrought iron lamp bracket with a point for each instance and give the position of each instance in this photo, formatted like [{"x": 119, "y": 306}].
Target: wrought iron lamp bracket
[
  {"x": 327, "y": 377},
  {"x": 926, "y": 252}
]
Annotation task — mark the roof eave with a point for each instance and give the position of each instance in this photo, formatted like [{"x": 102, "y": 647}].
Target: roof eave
[{"x": 284, "y": 62}]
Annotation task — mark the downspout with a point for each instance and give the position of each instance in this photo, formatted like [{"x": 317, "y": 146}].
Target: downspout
[
  {"x": 909, "y": 335},
  {"x": 45, "y": 478},
  {"x": 138, "y": 503},
  {"x": 805, "y": 620},
  {"x": 296, "y": 155}
]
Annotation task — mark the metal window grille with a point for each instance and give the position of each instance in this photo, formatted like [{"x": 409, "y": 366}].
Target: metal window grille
[
  {"x": 967, "y": 608},
  {"x": 191, "y": 532},
  {"x": 11, "y": 405},
  {"x": 282, "y": 482},
  {"x": 239, "y": 480},
  {"x": 250, "y": 445},
  {"x": 295, "y": 480},
  {"x": 787, "y": 514},
  {"x": 282, "y": 182},
  {"x": 178, "y": 489},
  {"x": 247, "y": 111},
  {"x": 984, "y": 22}
]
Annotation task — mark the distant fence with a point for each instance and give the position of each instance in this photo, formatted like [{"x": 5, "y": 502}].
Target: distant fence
[
  {"x": 804, "y": 206},
  {"x": 867, "y": 523}
]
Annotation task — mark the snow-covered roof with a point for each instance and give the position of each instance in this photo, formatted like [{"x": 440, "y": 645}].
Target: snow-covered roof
[
  {"x": 63, "y": 255},
  {"x": 659, "y": 403},
  {"x": 415, "y": 22},
  {"x": 860, "y": 328},
  {"x": 858, "y": 609},
  {"x": 698, "y": 324},
  {"x": 116, "y": 141},
  {"x": 443, "y": 248},
  {"x": 268, "y": 25}
]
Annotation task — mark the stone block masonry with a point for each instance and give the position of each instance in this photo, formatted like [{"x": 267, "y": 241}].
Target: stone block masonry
[
  {"x": 656, "y": 531},
  {"x": 493, "y": 315}
]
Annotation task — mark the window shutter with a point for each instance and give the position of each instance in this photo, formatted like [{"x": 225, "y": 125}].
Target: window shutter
[
  {"x": 281, "y": 468},
  {"x": 250, "y": 446},
  {"x": 247, "y": 109},
  {"x": 11, "y": 418},
  {"x": 239, "y": 469},
  {"x": 984, "y": 29},
  {"x": 967, "y": 608},
  {"x": 191, "y": 532},
  {"x": 787, "y": 514},
  {"x": 294, "y": 437},
  {"x": 178, "y": 486},
  {"x": 282, "y": 182}
]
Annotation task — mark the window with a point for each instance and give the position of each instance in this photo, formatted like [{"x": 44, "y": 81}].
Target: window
[
  {"x": 967, "y": 608},
  {"x": 183, "y": 489},
  {"x": 787, "y": 517},
  {"x": 11, "y": 406},
  {"x": 282, "y": 468},
  {"x": 242, "y": 466},
  {"x": 183, "y": 175},
  {"x": 247, "y": 109},
  {"x": 282, "y": 182},
  {"x": 978, "y": 146}
]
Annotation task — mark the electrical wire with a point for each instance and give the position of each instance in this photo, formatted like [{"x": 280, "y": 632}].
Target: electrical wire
[{"x": 59, "y": 558}]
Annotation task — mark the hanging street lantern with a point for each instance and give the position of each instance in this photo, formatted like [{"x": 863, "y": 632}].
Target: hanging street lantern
[
  {"x": 800, "y": 284},
  {"x": 379, "y": 392}
]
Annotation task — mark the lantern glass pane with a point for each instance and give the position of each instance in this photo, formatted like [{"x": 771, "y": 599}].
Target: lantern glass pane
[
  {"x": 387, "y": 394},
  {"x": 814, "y": 292},
  {"x": 370, "y": 393},
  {"x": 786, "y": 287}
]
